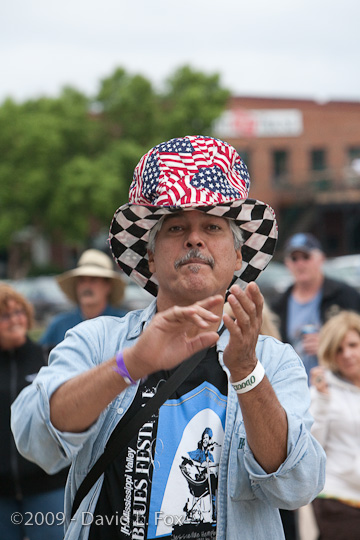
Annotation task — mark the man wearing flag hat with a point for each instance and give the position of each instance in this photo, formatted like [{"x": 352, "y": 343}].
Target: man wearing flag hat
[{"x": 190, "y": 236}]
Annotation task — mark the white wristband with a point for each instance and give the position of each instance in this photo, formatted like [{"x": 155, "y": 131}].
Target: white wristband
[{"x": 252, "y": 380}]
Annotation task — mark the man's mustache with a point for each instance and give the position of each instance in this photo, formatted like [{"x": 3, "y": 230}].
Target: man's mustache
[
  {"x": 194, "y": 254},
  {"x": 86, "y": 292}
]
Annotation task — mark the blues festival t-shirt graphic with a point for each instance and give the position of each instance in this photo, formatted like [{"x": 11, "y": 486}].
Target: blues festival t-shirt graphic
[
  {"x": 164, "y": 484},
  {"x": 185, "y": 481}
]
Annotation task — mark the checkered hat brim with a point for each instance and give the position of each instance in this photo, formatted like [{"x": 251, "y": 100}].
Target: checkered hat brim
[{"x": 129, "y": 233}]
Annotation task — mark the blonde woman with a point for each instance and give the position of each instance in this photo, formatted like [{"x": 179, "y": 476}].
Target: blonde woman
[{"x": 336, "y": 410}]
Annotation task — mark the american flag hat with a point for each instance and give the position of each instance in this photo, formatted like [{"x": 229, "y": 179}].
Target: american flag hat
[{"x": 191, "y": 173}]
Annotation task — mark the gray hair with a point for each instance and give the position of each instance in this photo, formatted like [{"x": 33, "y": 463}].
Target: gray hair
[{"x": 235, "y": 229}]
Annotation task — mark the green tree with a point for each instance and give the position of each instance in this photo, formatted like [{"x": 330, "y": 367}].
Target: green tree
[
  {"x": 31, "y": 142},
  {"x": 37, "y": 139},
  {"x": 191, "y": 102},
  {"x": 90, "y": 190},
  {"x": 130, "y": 106},
  {"x": 67, "y": 162}
]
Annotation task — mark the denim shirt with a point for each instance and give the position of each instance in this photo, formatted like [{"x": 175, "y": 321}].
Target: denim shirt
[{"x": 248, "y": 498}]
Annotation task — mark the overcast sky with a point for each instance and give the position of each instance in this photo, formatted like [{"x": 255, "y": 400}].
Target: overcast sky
[{"x": 285, "y": 48}]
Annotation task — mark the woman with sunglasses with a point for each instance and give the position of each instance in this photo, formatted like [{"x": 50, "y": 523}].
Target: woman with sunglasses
[
  {"x": 31, "y": 502},
  {"x": 335, "y": 393}
]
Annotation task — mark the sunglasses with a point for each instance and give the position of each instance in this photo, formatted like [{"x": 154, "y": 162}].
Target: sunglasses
[{"x": 300, "y": 257}]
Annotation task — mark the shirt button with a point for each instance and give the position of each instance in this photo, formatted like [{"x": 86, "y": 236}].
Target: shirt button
[{"x": 120, "y": 410}]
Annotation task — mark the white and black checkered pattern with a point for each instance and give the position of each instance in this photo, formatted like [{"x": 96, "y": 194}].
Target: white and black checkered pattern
[{"x": 129, "y": 233}]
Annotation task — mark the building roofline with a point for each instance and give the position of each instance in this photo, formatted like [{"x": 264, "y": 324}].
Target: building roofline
[{"x": 295, "y": 100}]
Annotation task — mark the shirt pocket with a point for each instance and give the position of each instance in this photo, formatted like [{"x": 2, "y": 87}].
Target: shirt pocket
[{"x": 238, "y": 479}]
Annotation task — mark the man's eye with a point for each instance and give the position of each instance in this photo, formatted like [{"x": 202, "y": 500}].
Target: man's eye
[
  {"x": 214, "y": 227},
  {"x": 175, "y": 228}
]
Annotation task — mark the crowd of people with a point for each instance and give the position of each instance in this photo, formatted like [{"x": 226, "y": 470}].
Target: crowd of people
[
  {"x": 304, "y": 313},
  {"x": 275, "y": 394},
  {"x": 312, "y": 298}
]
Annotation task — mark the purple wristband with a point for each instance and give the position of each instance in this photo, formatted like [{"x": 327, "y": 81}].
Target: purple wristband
[{"x": 122, "y": 370}]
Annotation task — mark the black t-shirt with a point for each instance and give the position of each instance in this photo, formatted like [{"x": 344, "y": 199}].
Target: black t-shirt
[
  {"x": 20, "y": 477},
  {"x": 164, "y": 483}
]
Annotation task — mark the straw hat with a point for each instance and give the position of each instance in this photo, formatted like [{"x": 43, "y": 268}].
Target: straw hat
[
  {"x": 93, "y": 263},
  {"x": 191, "y": 173}
]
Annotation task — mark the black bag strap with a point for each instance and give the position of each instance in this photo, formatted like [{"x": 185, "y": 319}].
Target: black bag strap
[{"x": 123, "y": 433}]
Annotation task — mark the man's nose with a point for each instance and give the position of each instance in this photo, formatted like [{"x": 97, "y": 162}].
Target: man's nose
[{"x": 194, "y": 239}]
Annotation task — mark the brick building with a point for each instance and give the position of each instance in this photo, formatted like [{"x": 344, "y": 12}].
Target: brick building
[{"x": 304, "y": 160}]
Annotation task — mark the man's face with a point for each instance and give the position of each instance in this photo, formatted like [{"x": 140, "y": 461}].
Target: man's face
[
  {"x": 92, "y": 291},
  {"x": 205, "y": 440},
  {"x": 305, "y": 266},
  {"x": 194, "y": 258}
]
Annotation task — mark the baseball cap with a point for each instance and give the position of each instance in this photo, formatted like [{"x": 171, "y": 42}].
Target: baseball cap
[{"x": 302, "y": 242}]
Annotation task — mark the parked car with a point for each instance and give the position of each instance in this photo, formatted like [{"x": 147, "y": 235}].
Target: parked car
[
  {"x": 274, "y": 280},
  {"x": 345, "y": 268},
  {"x": 135, "y": 297},
  {"x": 44, "y": 294}
]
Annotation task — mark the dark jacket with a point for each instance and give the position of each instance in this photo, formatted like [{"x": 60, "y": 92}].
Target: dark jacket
[
  {"x": 336, "y": 296},
  {"x": 18, "y": 476}
]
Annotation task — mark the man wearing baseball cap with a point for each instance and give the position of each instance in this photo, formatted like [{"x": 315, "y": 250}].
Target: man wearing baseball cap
[
  {"x": 312, "y": 299},
  {"x": 191, "y": 236},
  {"x": 94, "y": 286}
]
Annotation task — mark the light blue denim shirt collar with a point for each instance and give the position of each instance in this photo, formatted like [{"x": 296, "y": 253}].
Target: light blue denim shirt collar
[{"x": 145, "y": 317}]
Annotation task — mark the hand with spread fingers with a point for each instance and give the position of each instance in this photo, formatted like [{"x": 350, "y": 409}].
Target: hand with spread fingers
[
  {"x": 247, "y": 306},
  {"x": 174, "y": 335},
  {"x": 264, "y": 417}
]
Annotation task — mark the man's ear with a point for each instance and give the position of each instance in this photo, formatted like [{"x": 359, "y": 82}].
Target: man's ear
[
  {"x": 238, "y": 259},
  {"x": 151, "y": 261}
]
